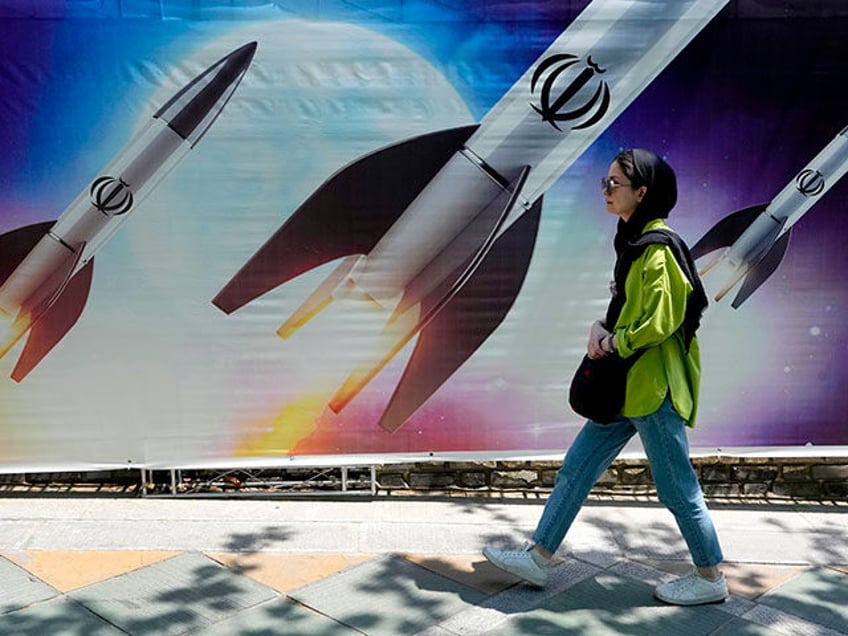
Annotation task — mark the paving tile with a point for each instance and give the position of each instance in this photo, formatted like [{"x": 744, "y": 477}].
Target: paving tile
[
  {"x": 15, "y": 533},
  {"x": 274, "y": 618},
  {"x": 59, "y": 616},
  {"x": 782, "y": 545},
  {"x": 752, "y": 580},
  {"x": 649, "y": 572},
  {"x": 471, "y": 570},
  {"x": 673, "y": 567},
  {"x": 654, "y": 573},
  {"x": 741, "y": 627},
  {"x": 19, "y": 588},
  {"x": 612, "y": 604},
  {"x": 784, "y": 624},
  {"x": 173, "y": 596},
  {"x": 387, "y": 595},
  {"x": 819, "y": 595},
  {"x": 438, "y": 630},
  {"x": 748, "y": 580},
  {"x": 516, "y": 599},
  {"x": 285, "y": 572},
  {"x": 70, "y": 570}
]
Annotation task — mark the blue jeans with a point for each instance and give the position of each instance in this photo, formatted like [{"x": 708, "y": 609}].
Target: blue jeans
[{"x": 663, "y": 435}]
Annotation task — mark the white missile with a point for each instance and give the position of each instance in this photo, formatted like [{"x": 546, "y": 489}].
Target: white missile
[
  {"x": 46, "y": 268},
  {"x": 756, "y": 237},
  {"x": 437, "y": 231}
]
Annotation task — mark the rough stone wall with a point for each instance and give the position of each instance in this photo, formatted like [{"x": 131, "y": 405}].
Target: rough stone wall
[{"x": 818, "y": 479}]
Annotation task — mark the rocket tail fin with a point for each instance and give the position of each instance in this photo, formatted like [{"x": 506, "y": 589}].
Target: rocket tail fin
[
  {"x": 346, "y": 215},
  {"x": 764, "y": 268},
  {"x": 466, "y": 319},
  {"x": 14, "y": 247},
  {"x": 17, "y": 243},
  {"x": 54, "y": 319},
  {"x": 431, "y": 290},
  {"x": 393, "y": 338},
  {"x": 725, "y": 232},
  {"x": 318, "y": 299}
]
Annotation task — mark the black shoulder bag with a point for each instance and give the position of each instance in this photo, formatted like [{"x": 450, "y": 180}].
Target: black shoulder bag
[{"x": 598, "y": 388}]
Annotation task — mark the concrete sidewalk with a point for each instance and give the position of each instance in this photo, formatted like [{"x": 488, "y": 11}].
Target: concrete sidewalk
[{"x": 390, "y": 566}]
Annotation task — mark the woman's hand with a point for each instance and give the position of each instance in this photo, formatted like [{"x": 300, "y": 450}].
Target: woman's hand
[{"x": 597, "y": 334}]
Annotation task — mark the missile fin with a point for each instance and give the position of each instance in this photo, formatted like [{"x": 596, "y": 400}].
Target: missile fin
[
  {"x": 347, "y": 215},
  {"x": 466, "y": 320},
  {"x": 317, "y": 300},
  {"x": 55, "y": 321},
  {"x": 393, "y": 338},
  {"x": 764, "y": 268},
  {"x": 431, "y": 290},
  {"x": 727, "y": 230},
  {"x": 17, "y": 243}
]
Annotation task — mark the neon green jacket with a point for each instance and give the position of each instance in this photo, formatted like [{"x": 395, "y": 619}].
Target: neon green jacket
[{"x": 656, "y": 290}]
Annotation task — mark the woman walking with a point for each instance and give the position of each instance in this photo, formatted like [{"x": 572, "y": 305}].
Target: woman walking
[{"x": 661, "y": 395}]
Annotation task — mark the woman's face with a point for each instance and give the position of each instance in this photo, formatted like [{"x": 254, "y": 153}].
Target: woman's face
[{"x": 620, "y": 197}]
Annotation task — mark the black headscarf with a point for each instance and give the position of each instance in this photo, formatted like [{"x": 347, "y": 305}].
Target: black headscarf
[
  {"x": 656, "y": 175},
  {"x": 651, "y": 171}
]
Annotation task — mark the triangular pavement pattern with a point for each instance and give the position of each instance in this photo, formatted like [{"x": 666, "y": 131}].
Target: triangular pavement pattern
[
  {"x": 19, "y": 588},
  {"x": 387, "y": 596},
  {"x": 173, "y": 596}
]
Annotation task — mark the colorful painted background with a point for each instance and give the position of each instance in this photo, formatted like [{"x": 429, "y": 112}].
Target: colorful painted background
[{"x": 154, "y": 375}]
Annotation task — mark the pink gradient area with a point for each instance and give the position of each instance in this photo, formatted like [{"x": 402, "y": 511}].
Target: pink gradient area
[
  {"x": 483, "y": 407},
  {"x": 462, "y": 416}
]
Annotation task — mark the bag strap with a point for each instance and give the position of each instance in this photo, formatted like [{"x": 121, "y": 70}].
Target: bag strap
[{"x": 697, "y": 302}]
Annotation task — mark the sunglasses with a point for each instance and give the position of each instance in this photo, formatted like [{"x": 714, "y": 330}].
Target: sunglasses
[{"x": 608, "y": 184}]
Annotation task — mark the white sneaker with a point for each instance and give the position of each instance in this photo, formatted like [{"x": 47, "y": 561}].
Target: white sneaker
[
  {"x": 693, "y": 589},
  {"x": 526, "y": 563}
]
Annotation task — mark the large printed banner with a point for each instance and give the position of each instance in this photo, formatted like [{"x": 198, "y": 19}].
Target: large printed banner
[{"x": 257, "y": 232}]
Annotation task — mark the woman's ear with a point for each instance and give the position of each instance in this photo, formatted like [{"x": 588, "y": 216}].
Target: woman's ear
[{"x": 640, "y": 193}]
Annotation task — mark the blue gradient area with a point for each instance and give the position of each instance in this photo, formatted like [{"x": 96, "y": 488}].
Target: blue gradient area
[
  {"x": 73, "y": 72},
  {"x": 78, "y": 82}
]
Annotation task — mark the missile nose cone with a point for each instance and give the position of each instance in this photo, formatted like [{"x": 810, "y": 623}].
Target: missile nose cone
[
  {"x": 247, "y": 50},
  {"x": 192, "y": 110},
  {"x": 241, "y": 58}
]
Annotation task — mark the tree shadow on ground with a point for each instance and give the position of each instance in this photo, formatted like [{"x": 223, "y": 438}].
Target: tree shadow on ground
[{"x": 819, "y": 598}]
